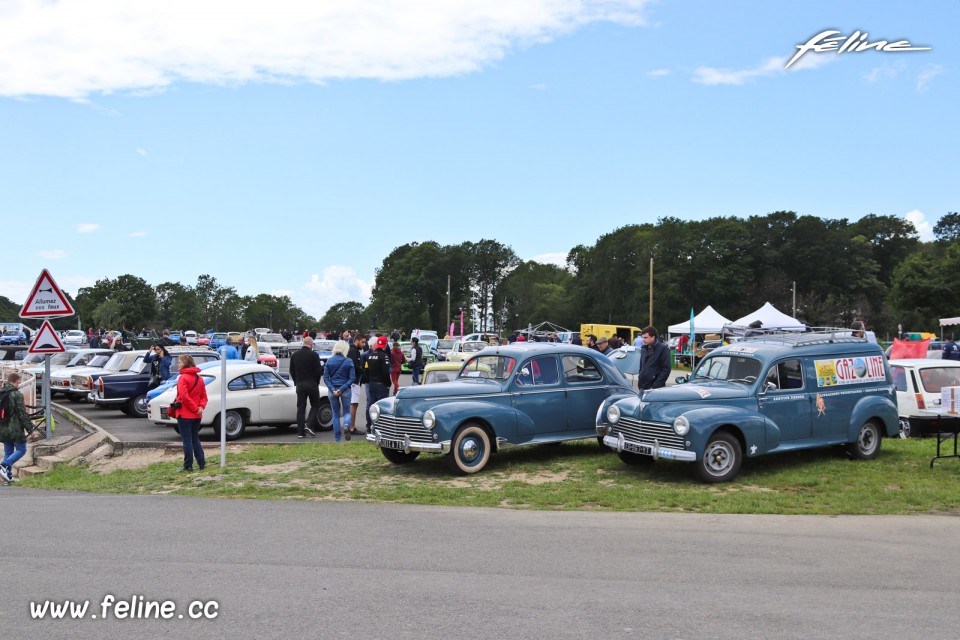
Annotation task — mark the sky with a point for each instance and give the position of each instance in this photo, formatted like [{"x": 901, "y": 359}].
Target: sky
[{"x": 288, "y": 146}]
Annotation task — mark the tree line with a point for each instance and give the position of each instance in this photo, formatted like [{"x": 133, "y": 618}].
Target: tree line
[{"x": 875, "y": 269}]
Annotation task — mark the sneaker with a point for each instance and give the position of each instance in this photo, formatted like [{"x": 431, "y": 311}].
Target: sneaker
[
  {"x": 5, "y": 473},
  {"x": 310, "y": 432},
  {"x": 299, "y": 436},
  {"x": 346, "y": 434}
]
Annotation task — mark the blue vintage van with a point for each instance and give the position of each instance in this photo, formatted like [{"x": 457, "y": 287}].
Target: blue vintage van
[{"x": 763, "y": 395}]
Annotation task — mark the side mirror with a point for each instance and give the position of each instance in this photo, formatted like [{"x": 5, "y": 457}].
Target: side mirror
[
  {"x": 682, "y": 380},
  {"x": 767, "y": 387}
]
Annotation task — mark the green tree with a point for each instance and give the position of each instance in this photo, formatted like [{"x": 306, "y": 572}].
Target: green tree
[
  {"x": 534, "y": 293},
  {"x": 344, "y": 315},
  {"x": 947, "y": 228},
  {"x": 491, "y": 262},
  {"x": 136, "y": 304}
]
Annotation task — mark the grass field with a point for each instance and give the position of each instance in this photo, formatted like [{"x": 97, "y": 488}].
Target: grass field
[{"x": 573, "y": 476}]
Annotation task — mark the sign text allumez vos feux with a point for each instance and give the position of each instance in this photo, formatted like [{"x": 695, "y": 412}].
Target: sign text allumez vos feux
[{"x": 857, "y": 42}]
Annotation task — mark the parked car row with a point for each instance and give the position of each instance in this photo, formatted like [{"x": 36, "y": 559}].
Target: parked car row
[{"x": 758, "y": 397}]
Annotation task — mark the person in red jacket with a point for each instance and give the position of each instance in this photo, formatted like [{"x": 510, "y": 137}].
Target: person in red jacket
[
  {"x": 192, "y": 396},
  {"x": 396, "y": 361}
]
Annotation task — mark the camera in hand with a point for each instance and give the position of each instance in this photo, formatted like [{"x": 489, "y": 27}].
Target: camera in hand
[{"x": 176, "y": 405}]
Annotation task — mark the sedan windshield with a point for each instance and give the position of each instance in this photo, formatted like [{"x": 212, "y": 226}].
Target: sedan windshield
[
  {"x": 730, "y": 368},
  {"x": 11, "y": 332},
  {"x": 495, "y": 367}
]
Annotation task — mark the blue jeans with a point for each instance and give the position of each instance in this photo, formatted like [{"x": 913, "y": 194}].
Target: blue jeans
[
  {"x": 415, "y": 370},
  {"x": 13, "y": 451},
  {"x": 375, "y": 391},
  {"x": 190, "y": 436},
  {"x": 341, "y": 407}
]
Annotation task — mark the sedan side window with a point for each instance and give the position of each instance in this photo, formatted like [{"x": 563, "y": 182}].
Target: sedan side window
[
  {"x": 899, "y": 378},
  {"x": 268, "y": 379},
  {"x": 580, "y": 369},
  {"x": 784, "y": 376},
  {"x": 242, "y": 383}
]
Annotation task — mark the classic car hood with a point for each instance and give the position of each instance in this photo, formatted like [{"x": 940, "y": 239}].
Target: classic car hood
[
  {"x": 698, "y": 391},
  {"x": 447, "y": 389}
]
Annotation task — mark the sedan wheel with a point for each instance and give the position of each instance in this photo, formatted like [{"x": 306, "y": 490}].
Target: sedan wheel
[
  {"x": 235, "y": 425},
  {"x": 721, "y": 459},
  {"x": 136, "y": 407},
  {"x": 470, "y": 450},
  {"x": 325, "y": 416}
]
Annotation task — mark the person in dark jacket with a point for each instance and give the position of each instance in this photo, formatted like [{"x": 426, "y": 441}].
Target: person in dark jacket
[
  {"x": 654, "y": 361},
  {"x": 306, "y": 371},
  {"x": 950, "y": 350},
  {"x": 376, "y": 374},
  {"x": 13, "y": 427},
  {"x": 416, "y": 360},
  {"x": 354, "y": 353},
  {"x": 603, "y": 346},
  {"x": 192, "y": 396},
  {"x": 159, "y": 360}
]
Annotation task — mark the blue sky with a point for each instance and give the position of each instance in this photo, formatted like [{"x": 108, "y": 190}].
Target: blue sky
[{"x": 288, "y": 146}]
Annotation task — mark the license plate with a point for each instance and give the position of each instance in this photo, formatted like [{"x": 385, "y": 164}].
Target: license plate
[
  {"x": 388, "y": 443},
  {"x": 644, "y": 449}
]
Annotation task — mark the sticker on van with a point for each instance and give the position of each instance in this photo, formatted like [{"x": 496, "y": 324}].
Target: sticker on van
[{"x": 856, "y": 370}]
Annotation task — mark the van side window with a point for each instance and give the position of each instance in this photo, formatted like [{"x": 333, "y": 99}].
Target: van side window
[{"x": 785, "y": 376}]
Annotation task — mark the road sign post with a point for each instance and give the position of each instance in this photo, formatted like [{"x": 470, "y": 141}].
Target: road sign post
[{"x": 46, "y": 300}]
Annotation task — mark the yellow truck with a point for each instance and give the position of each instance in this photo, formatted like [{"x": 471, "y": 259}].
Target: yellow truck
[{"x": 629, "y": 334}]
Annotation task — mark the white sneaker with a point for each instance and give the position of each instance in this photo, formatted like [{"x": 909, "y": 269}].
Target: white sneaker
[{"x": 5, "y": 473}]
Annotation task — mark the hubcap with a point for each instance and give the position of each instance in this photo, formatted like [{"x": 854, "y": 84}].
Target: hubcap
[
  {"x": 140, "y": 405},
  {"x": 470, "y": 450},
  {"x": 868, "y": 440},
  {"x": 233, "y": 425},
  {"x": 718, "y": 457}
]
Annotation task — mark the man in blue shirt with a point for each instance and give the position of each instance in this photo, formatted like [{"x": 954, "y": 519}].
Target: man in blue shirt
[{"x": 228, "y": 351}]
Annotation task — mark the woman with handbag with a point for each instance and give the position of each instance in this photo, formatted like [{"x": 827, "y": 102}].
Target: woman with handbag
[
  {"x": 188, "y": 407},
  {"x": 159, "y": 360}
]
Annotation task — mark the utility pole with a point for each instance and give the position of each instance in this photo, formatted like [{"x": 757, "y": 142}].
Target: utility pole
[
  {"x": 794, "y": 298},
  {"x": 651, "y": 292},
  {"x": 447, "y": 328}
]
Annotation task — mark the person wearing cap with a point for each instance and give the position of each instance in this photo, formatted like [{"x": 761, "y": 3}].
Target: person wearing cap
[
  {"x": 376, "y": 374},
  {"x": 603, "y": 346}
]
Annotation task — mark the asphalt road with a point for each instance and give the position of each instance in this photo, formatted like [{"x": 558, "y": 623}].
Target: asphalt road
[{"x": 328, "y": 570}]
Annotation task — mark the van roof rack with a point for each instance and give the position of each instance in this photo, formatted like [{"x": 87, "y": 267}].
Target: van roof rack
[{"x": 795, "y": 338}]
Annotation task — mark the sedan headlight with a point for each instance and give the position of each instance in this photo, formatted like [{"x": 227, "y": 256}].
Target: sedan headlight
[
  {"x": 681, "y": 425},
  {"x": 374, "y": 413},
  {"x": 429, "y": 420},
  {"x": 613, "y": 414}
]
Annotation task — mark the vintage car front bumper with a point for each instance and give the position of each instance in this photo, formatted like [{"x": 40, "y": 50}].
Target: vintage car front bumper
[
  {"x": 619, "y": 443},
  {"x": 406, "y": 444}
]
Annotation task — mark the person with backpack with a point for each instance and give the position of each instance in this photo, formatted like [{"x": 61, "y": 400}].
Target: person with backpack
[{"x": 14, "y": 425}]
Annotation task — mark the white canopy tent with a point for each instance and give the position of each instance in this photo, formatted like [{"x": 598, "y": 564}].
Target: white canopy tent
[
  {"x": 946, "y": 322},
  {"x": 707, "y": 321},
  {"x": 771, "y": 318}
]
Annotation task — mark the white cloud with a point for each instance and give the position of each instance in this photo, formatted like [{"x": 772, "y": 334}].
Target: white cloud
[
  {"x": 55, "y": 254},
  {"x": 338, "y": 284},
  {"x": 919, "y": 220},
  {"x": 142, "y": 152},
  {"x": 770, "y": 67},
  {"x": 75, "y": 49},
  {"x": 557, "y": 259},
  {"x": 87, "y": 227},
  {"x": 137, "y": 234},
  {"x": 658, "y": 73},
  {"x": 926, "y": 76},
  {"x": 881, "y": 73}
]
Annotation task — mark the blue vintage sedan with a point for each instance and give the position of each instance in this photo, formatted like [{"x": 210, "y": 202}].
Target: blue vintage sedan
[{"x": 521, "y": 394}]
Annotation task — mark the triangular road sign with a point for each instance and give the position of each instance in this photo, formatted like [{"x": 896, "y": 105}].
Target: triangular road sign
[
  {"x": 46, "y": 300},
  {"x": 47, "y": 340}
]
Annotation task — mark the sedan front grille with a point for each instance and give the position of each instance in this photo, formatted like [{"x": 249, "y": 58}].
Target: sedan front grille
[
  {"x": 393, "y": 427},
  {"x": 645, "y": 432}
]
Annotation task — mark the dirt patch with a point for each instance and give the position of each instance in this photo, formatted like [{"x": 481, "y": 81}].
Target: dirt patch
[
  {"x": 540, "y": 477},
  {"x": 135, "y": 459},
  {"x": 281, "y": 467}
]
